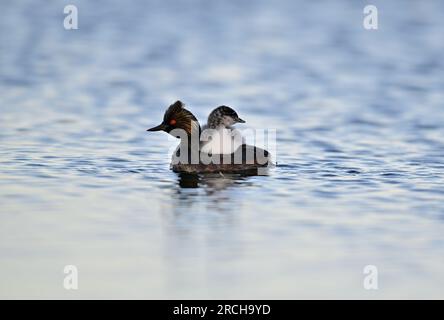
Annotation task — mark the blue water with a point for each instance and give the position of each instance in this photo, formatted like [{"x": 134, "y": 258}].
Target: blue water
[{"x": 360, "y": 150}]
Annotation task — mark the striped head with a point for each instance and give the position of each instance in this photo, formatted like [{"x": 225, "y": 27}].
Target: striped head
[{"x": 177, "y": 117}]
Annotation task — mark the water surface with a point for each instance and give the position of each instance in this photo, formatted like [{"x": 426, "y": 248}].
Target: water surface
[{"x": 360, "y": 150}]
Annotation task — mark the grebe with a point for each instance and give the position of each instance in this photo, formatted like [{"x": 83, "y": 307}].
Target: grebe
[{"x": 189, "y": 156}]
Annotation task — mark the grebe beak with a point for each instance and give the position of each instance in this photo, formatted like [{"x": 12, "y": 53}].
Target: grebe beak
[{"x": 160, "y": 127}]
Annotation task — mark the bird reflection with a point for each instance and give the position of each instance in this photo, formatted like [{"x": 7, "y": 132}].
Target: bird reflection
[
  {"x": 209, "y": 193},
  {"x": 212, "y": 182}
]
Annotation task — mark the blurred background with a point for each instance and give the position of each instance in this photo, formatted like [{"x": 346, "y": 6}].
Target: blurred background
[{"x": 360, "y": 149}]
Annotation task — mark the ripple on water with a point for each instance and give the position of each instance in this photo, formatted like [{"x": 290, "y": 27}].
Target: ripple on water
[{"x": 360, "y": 148}]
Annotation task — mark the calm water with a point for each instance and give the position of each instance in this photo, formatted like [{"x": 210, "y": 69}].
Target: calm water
[{"x": 360, "y": 150}]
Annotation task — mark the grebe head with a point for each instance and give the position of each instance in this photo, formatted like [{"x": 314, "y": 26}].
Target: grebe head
[
  {"x": 177, "y": 117},
  {"x": 223, "y": 116}
]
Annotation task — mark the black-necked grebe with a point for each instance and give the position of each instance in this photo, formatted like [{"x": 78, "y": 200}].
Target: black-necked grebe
[{"x": 189, "y": 155}]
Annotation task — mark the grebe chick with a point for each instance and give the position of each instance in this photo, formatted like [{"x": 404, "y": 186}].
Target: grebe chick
[{"x": 218, "y": 135}]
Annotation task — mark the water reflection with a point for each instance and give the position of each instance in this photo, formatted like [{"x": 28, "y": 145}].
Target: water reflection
[
  {"x": 209, "y": 193},
  {"x": 188, "y": 180},
  {"x": 213, "y": 182}
]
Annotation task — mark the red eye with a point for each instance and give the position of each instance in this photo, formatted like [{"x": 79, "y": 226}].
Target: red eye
[{"x": 172, "y": 122}]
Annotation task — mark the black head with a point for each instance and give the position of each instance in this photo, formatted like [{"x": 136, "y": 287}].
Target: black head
[
  {"x": 177, "y": 117},
  {"x": 223, "y": 116}
]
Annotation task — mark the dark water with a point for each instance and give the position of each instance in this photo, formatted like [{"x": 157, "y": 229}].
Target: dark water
[{"x": 360, "y": 149}]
